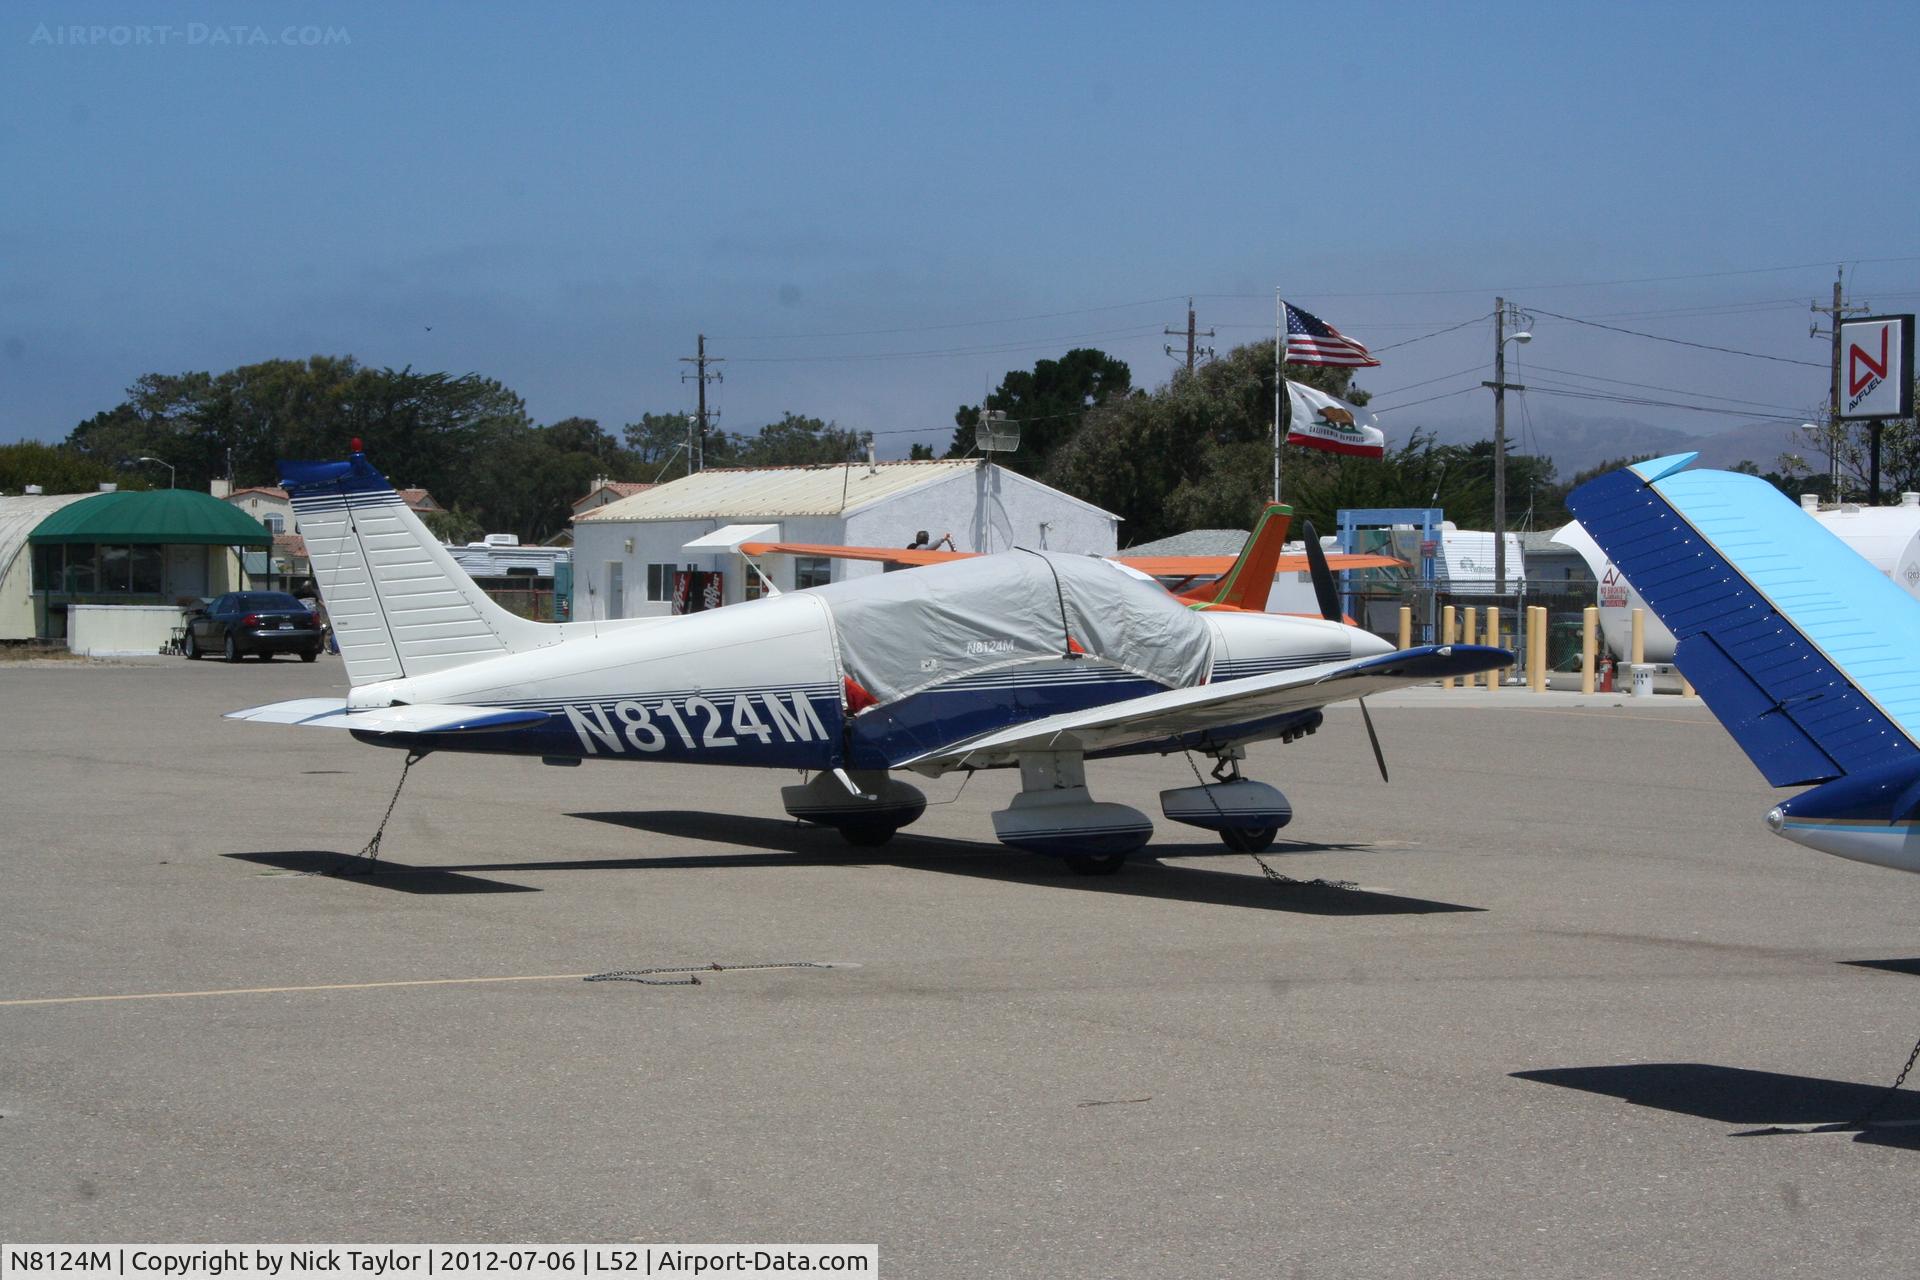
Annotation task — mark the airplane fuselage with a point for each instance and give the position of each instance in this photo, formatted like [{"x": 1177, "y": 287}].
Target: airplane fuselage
[{"x": 761, "y": 684}]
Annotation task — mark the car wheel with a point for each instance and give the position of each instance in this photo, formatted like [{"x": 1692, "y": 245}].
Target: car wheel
[
  {"x": 190, "y": 646},
  {"x": 232, "y": 651},
  {"x": 1248, "y": 839},
  {"x": 308, "y": 655}
]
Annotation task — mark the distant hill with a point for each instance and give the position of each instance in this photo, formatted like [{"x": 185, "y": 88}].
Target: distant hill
[{"x": 1577, "y": 443}]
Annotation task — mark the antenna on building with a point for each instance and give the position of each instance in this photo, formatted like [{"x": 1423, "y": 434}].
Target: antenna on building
[{"x": 996, "y": 433}]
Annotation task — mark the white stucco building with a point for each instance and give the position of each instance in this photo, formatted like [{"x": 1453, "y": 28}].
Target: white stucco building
[{"x": 627, "y": 554}]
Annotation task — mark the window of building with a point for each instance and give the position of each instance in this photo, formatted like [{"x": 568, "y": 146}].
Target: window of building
[
  {"x": 660, "y": 583},
  {"x": 811, "y": 571},
  {"x": 275, "y": 522}
]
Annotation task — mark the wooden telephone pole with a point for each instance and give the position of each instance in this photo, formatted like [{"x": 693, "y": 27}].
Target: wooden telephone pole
[{"x": 697, "y": 450}]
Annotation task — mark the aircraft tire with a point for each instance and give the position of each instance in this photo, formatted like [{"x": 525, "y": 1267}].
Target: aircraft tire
[
  {"x": 867, "y": 835},
  {"x": 1248, "y": 839},
  {"x": 1095, "y": 864}
]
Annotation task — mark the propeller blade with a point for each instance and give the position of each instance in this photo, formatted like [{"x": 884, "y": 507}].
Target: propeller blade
[
  {"x": 1379, "y": 756},
  {"x": 1323, "y": 588}
]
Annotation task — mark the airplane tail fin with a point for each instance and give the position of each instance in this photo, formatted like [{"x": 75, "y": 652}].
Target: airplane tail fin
[
  {"x": 1800, "y": 647},
  {"x": 399, "y": 604},
  {"x": 1248, "y": 583}
]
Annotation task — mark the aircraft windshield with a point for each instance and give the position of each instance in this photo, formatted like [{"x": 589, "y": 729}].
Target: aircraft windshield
[{"x": 903, "y": 632}]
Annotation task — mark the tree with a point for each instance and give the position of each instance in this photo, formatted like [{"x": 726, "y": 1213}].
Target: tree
[
  {"x": 1196, "y": 452},
  {"x": 920, "y": 453},
  {"x": 1050, "y": 403},
  {"x": 61, "y": 469},
  {"x": 796, "y": 440}
]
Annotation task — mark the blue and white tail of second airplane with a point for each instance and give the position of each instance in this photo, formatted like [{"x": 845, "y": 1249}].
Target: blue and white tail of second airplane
[{"x": 1804, "y": 651}]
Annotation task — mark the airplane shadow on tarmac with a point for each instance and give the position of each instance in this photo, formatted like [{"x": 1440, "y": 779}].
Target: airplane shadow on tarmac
[
  {"x": 772, "y": 842},
  {"x": 1760, "y": 1099}
]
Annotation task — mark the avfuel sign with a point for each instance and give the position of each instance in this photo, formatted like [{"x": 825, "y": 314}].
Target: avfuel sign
[{"x": 1876, "y": 368}]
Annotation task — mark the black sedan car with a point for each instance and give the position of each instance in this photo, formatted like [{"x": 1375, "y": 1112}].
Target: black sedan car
[{"x": 262, "y": 622}]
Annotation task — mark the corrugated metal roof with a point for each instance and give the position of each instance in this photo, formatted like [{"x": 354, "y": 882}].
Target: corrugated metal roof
[
  {"x": 20, "y": 516},
  {"x": 735, "y": 492}
]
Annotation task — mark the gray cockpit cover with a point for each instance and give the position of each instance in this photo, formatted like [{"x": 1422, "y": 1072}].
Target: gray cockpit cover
[{"x": 902, "y": 632}]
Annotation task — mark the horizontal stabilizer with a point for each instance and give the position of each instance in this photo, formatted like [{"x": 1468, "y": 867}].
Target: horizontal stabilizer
[
  {"x": 1800, "y": 647},
  {"x": 1219, "y": 706},
  {"x": 328, "y": 713}
]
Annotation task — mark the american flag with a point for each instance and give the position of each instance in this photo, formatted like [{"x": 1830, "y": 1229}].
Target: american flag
[{"x": 1311, "y": 340}]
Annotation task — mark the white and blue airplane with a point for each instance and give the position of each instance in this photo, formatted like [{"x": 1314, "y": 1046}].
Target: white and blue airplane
[
  {"x": 1802, "y": 649},
  {"x": 1026, "y": 659}
]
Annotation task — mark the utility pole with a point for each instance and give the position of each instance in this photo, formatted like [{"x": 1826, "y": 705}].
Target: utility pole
[
  {"x": 1192, "y": 334},
  {"x": 1500, "y": 387},
  {"x": 1835, "y": 428},
  {"x": 700, "y": 361}
]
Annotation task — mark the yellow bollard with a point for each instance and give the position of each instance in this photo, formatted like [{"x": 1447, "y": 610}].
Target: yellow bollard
[
  {"x": 1639, "y": 649},
  {"x": 1534, "y": 648},
  {"x": 1546, "y": 664},
  {"x": 1493, "y": 641},
  {"x": 1406, "y": 626},
  {"x": 1469, "y": 634},
  {"x": 1447, "y": 636},
  {"x": 1589, "y": 636}
]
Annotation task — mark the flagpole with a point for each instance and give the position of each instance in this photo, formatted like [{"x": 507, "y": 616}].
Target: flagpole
[{"x": 1279, "y": 359}]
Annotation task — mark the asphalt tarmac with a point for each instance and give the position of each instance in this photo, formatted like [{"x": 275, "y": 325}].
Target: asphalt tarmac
[{"x": 1547, "y": 1032}]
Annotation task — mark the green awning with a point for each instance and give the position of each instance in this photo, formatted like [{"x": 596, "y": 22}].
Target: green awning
[{"x": 159, "y": 516}]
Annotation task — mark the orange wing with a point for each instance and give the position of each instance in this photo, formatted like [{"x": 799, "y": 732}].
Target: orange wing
[{"x": 884, "y": 555}]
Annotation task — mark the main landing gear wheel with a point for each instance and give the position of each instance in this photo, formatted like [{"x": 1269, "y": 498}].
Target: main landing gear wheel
[
  {"x": 232, "y": 651},
  {"x": 1095, "y": 864},
  {"x": 867, "y": 835},
  {"x": 190, "y": 646},
  {"x": 1248, "y": 839}
]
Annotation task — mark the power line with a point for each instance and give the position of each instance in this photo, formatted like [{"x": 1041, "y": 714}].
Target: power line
[
  {"x": 1681, "y": 342},
  {"x": 1648, "y": 386},
  {"x": 957, "y": 324},
  {"x": 1444, "y": 395},
  {"x": 1666, "y": 404},
  {"x": 999, "y": 348}
]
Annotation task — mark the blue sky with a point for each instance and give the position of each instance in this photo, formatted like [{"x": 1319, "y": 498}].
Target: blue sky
[{"x": 568, "y": 196}]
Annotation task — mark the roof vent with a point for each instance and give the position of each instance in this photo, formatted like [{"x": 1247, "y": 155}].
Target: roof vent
[
  {"x": 1809, "y": 502},
  {"x": 1910, "y": 499},
  {"x": 503, "y": 539},
  {"x": 38, "y": 489},
  {"x": 108, "y": 486}
]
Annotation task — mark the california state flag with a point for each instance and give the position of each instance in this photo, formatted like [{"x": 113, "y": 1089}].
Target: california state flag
[{"x": 1321, "y": 422}]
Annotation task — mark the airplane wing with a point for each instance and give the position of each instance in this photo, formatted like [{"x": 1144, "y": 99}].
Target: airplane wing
[
  {"x": 1215, "y": 566},
  {"x": 886, "y": 555},
  {"x": 331, "y": 713},
  {"x": 1800, "y": 647},
  {"x": 1180, "y": 711},
  {"x": 1152, "y": 566}
]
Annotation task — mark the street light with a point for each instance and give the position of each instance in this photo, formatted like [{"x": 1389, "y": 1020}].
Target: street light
[{"x": 163, "y": 462}]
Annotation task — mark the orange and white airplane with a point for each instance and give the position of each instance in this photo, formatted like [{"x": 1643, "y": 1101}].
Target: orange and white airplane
[{"x": 1240, "y": 583}]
